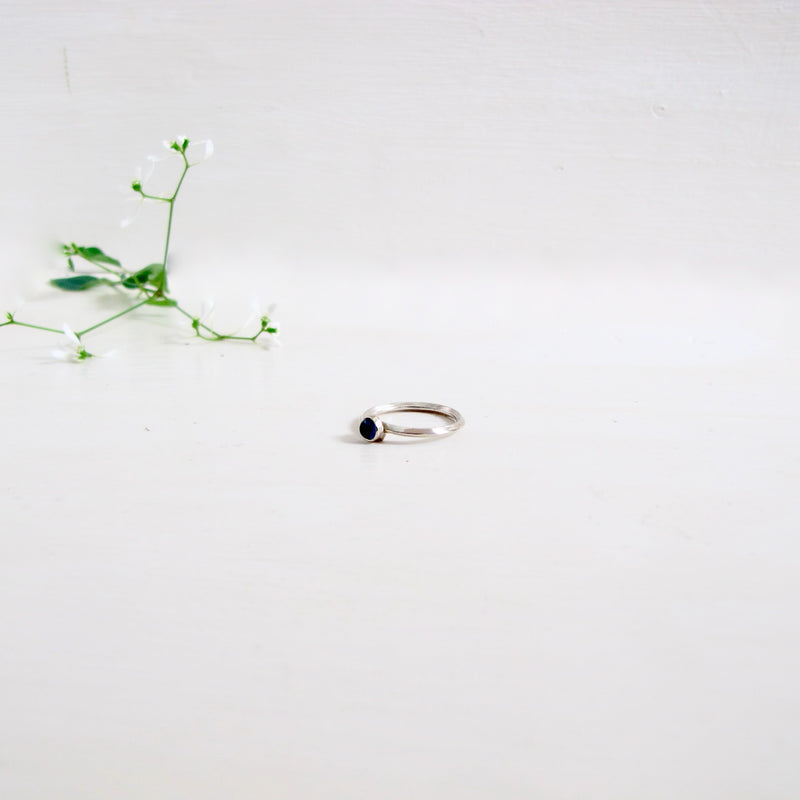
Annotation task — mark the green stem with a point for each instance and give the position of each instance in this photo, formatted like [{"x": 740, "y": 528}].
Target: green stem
[
  {"x": 155, "y": 197},
  {"x": 112, "y": 318},
  {"x": 163, "y": 285},
  {"x": 116, "y": 273},
  {"x": 216, "y": 336},
  {"x": 157, "y": 290},
  {"x": 37, "y": 327},
  {"x": 202, "y": 325}
]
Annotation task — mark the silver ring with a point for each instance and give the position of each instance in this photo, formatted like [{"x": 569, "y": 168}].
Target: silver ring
[{"x": 373, "y": 428}]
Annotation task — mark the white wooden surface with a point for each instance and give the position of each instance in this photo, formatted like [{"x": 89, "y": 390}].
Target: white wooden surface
[
  {"x": 574, "y": 222},
  {"x": 453, "y": 135}
]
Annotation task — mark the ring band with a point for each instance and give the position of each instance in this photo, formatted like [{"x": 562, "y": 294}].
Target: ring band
[{"x": 373, "y": 428}]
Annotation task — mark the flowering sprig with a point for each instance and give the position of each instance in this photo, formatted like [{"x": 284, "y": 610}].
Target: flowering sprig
[{"x": 90, "y": 267}]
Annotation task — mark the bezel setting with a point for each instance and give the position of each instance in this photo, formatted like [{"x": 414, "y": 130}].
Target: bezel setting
[{"x": 372, "y": 429}]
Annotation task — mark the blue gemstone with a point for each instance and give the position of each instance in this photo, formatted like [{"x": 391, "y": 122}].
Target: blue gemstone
[{"x": 368, "y": 429}]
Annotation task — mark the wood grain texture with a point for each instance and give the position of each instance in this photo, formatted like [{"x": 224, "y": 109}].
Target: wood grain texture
[{"x": 633, "y": 136}]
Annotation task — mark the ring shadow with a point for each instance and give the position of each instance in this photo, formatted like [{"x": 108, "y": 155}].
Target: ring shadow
[{"x": 403, "y": 441}]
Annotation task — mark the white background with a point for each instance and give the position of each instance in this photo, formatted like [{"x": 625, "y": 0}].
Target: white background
[{"x": 575, "y": 222}]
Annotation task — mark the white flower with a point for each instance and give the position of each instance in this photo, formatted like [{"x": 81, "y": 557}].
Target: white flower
[
  {"x": 197, "y": 152},
  {"x": 201, "y": 324},
  {"x": 270, "y": 328},
  {"x": 194, "y": 152},
  {"x": 72, "y": 349},
  {"x": 265, "y": 328},
  {"x": 169, "y": 144},
  {"x": 133, "y": 203}
]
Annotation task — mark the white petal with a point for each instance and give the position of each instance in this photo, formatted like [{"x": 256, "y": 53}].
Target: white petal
[
  {"x": 206, "y": 308},
  {"x": 253, "y": 316},
  {"x": 269, "y": 341},
  {"x": 198, "y": 152},
  {"x": 144, "y": 173},
  {"x": 149, "y": 166},
  {"x": 132, "y": 206},
  {"x": 70, "y": 334}
]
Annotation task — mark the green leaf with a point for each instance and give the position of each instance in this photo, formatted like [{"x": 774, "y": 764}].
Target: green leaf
[
  {"x": 162, "y": 301},
  {"x": 78, "y": 283},
  {"x": 95, "y": 255},
  {"x": 145, "y": 275}
]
